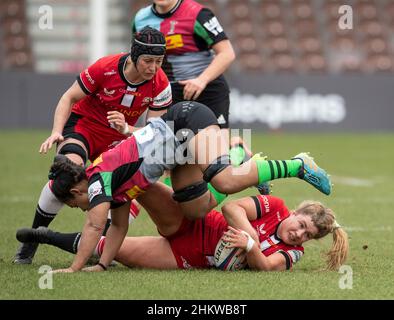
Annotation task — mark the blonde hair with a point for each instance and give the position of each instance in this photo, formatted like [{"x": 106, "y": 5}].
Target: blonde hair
[{"x": 324, "y": 220}]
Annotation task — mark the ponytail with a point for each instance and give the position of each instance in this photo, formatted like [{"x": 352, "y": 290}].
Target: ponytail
[
  {"x": 324, "y": 220},
  {"x": 339, "y": 248}
]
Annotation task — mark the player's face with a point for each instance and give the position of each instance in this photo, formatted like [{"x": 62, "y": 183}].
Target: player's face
[
  {"x": 80, "y": 200},
  {"x": 165, "y": 3},
  {"x": 148, "y": 66},
  {"x": 297, "y": 229}
]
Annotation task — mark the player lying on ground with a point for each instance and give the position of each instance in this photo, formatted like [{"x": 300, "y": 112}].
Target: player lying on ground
[
  {"x": 277, "y": 232},
  {"x": 128, "y": 170}
]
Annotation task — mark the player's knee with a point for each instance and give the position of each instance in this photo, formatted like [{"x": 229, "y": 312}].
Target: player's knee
[
  {"x": 190, "y": 192},
  {"x": 73, "y": 148},
  {"x": 216, "y": 167}
]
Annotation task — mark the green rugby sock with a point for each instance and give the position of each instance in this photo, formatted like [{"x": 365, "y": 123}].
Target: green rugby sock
[
  {"x": 167, "y": 181},
  {"x": 275, "y": 169},
  {"x": 217, "y": 195}
]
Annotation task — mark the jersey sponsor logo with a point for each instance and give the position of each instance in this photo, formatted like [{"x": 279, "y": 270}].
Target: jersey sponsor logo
[
  {"x": 164, "y": 97},
  {"x": 174, "y": 41},
  {"x": 131, "y": 92},
  {"x": 94, "y": 190},
  {"x": 87, "y": 74},
  {"x": 213, "y": 26},
  {"x": 143, "y": 135},
  {"x": 146, "y": 101},
  {"x": 128, "y": 98},
  {"x": 266, "y": 203},
  {"x": 173, "y": 23},
  {"x": 110, "y": 73},
  {"x": 109, "y": 92},
  {"x": 261, "y": 229},
  {"x": 278, "y": 216},
  {"x": 134, "y": 192},
  {"x": 98, "y": 160},
  {"x": 132, "y": 113}
]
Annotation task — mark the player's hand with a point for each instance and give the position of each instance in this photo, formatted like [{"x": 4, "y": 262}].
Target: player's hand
[
  {"x": 117, "y": 121},
  {"x": 193, "y": 88},
  {"x": 66, "y": 270},
  {"x": 55, "y": 137},
  {"x": 236, "y": 238},
  {"x": 95, "y": 268}
]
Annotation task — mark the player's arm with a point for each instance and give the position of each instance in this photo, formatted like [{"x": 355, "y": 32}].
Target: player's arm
[
  {"x": 116, "y": 233},
  {"x": 224, "y": 56},
  {"x": 91, "y": 233},
  {"x": 256, "y": 259},
  {"x": 209, "y": 29},
  {"x": 118, "y": 120},
  {"x": 239, "y": 212},
  {"x": 62, "y": 113}
]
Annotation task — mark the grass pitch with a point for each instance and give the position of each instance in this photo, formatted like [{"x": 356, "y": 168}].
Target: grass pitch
[{"x": 363, "y": 198}]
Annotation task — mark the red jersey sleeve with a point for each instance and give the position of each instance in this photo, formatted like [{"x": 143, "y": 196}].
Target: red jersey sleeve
[
  {"x": 268, "y": 204},
  {"x": 162, "y": 98},
  {"x": 90, "y": 78}
]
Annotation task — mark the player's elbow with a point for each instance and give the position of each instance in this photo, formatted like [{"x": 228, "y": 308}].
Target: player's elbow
[{"x": 229, "y": 208}]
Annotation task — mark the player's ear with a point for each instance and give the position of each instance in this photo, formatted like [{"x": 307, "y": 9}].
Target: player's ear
[{"x": 75, "y": 192}]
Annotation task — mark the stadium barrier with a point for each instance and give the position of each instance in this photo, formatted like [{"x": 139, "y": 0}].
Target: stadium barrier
[{"x": 349, "y": 102}]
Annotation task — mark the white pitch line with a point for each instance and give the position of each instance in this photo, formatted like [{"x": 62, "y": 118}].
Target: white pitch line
[
  {"x": 352, "y": 181},
  {"x": 364, "y": 229}
]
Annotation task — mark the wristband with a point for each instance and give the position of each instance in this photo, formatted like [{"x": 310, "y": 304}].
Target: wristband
[
  {"x": 126, "y": 130},
  {"x": 102, "y": 266},
  {"x": 250, "y": 243}
]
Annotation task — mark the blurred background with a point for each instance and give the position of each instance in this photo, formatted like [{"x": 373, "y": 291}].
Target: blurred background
[{"x": 296, "y": 69}]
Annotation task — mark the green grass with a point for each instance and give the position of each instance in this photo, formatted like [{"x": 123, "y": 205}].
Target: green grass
[{"x": 363, "y": 198}]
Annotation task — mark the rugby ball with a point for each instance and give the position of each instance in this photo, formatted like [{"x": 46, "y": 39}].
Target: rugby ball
[{"x": 229, "y": 259}]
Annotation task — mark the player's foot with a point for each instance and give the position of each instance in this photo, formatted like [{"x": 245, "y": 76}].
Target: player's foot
[
  {"x": 30, "y": 235},
  {"x": 25, "y": 253},
  {"x": 313, "y": 174},
  {"x": 264, "y": 188}
]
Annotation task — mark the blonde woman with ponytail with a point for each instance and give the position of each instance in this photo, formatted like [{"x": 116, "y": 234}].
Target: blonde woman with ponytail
[
  {"x": 278, "y": 234},
  {"x": 325, "y": 221}
]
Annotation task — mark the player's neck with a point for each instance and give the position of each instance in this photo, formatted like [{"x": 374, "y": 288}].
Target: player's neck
[{"x": 131, "y": 73}]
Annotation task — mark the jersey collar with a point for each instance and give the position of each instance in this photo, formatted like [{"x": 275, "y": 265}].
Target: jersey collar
[
  {"x": 167, "y": 14},
  {"x": 122, "y": 66}
]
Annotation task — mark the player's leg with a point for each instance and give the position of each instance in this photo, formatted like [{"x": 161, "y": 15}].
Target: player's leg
[
  {"x": 192, "y": 193},
  {"x": 146, "y": 252},
  {"x": 162, "y": 209},
  {"x": 48, "y": 205},
  {"x": 214, "y": 163}
]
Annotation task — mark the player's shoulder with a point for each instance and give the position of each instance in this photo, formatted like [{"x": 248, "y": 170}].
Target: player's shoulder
[
  {"x": 268, "y": 199},
  {"x": 112, "y": 58},
  {"x": 143, "y": 13},
  {"x": 161, "y": 76}
]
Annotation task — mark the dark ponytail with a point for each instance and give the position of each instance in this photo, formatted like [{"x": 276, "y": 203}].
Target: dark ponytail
[{"x": 65, "y": 174}]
